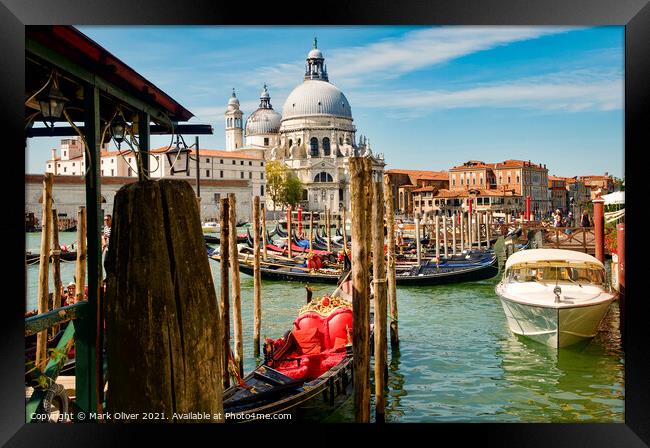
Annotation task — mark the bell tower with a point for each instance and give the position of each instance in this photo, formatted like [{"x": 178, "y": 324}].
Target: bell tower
[{"x": 234, "y": 124}]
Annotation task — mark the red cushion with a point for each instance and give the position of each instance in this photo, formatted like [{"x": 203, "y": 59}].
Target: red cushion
[
  {"x": 339, "y": 344},
  {"x": 331, "y": 360},
  {"x": 340, "y": 321},
  {"x": 314, "y": 320},
  {"x": 309, "y": 340}
]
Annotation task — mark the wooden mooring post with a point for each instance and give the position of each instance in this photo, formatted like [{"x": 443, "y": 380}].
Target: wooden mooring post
[
  {"x": 80, "y": 274},
  {"x": 224, "y": 266},
  {"x": 391, "y": 292},
  {"x": 345, "y": 233},
  {"x": 444, "y": 235},
  {"x": 290, "y": 253},
  {"x": 360, "y": 188},
  {"x": 44, "y": 268},
  {"x": 418, "y": 251},
  {"x": 311, "y": 231},
  {"x": 620, "y": 252},
  {"x": 462, "y": 230},
  {"x": 264, "y": 239},
  {"x": 454, "y": 218},
  {"x": 162, "y": 318},
  {"x": 329, "y": 230},
  {"x": 380, "y": 315},
  {"x": 56, "y": 267},
  {"x": 238, "y": 352},
  {"x": 257, "y": 278},
  {"x": 436, "y": 236}
]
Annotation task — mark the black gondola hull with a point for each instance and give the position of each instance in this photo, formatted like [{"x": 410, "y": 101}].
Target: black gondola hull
[{"x": 451, "y": 275}]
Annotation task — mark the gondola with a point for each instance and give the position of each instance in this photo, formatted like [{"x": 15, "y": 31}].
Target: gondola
[
  {"x": 450, "y": 271},
  {"x": 211, "y": 239},
  {"x": 298, "y": 372},
  {"x": 292, "y": 273},
  {"x": 66, "y": 255}
]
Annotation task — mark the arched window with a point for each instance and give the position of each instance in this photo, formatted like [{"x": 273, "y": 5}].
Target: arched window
[
  {"x": 323, "y": 177},
  {"x": 313, "y": 144},
  {"x": 326, "y": 146}
]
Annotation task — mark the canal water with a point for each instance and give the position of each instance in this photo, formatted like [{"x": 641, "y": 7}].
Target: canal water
[{"x": 457, "y": 361}]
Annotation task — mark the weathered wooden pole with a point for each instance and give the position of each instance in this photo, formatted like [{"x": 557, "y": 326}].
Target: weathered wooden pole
[
  {"x": 599, "y": 228},
  {"x": 454, "y": 218},
  {"x": 44, "y": 268},
  {"x": 235, "y": 294},
  {"x": 257, "y": 278},
  {"x": 265, "y": 241},
  {"x": 489, "y": 227},
  {"x": 162, "y": 318},
  {"x": 462, "y": 230},
  {"x": 359, "y": 188},
  {"x": 224, "y": 240},
  {"x": 380, "y": 315},
  {"x": 437, "y": 237},
  {"x": 390, "y": 268},
  {"x": 444, "y": 235},
  {"x": 329, "y": 231},
  {"x": 80, "y": 275},
  {"x": 311, "y": 231},
  {"x": 289, "y": 238},
  {"x": 417, "y": 238},
  {"x": 345, "y": 233},
  {"x": 56, "y": 267}
]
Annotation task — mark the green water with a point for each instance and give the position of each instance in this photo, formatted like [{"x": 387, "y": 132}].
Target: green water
[{"x": 458, "y": 361}]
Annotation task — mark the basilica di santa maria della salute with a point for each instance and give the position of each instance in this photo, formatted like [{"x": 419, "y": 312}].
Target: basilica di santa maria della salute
[{"x": 314, "y": 136}]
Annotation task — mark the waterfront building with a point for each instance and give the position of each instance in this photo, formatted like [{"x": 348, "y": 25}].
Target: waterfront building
[
  {"x": 598, "y": 184},
  {"x": 558, "y": 194},
  {"x": 405, "y": 182}
]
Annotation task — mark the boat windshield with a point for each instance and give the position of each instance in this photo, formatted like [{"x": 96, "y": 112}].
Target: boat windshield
[{"x": 551, "y": 274}]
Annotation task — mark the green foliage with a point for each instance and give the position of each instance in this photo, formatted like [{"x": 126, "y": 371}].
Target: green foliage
[
  {"x": 283, "y": 188},
  {"x": 293, "y": 191},
  {"x": 35, "y": 377}
]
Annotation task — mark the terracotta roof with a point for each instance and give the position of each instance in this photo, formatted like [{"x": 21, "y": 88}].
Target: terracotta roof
[
  {"x": 420, "y": 174},
  {"x": 444, "y": 193},
  {"x": 216, "y": 153},
  {"x": 429, "y": 188},
  {"x": 115, "y": 180},
  {"x": 511, "y": 163}
]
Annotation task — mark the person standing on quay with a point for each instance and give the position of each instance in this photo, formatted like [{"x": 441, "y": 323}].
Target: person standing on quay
[
  {"x": 106, "y": 235},
  {"x": 585, "y": 221}
]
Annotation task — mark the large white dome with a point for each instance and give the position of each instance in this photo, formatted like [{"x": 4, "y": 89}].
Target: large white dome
[{"x": 316, "y": 97}]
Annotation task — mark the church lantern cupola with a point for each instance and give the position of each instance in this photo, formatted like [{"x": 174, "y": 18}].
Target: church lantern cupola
[{"x": 315, "y": 67}]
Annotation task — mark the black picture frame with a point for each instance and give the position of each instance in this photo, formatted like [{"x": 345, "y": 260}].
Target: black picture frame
[{"x": 634, "y": 14}]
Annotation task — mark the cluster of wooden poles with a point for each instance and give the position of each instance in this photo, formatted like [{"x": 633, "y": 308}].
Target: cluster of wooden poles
[
  {"x": 327, "y": 225},
  {"x": 50, "y": 247},
  {"x": 463, "y": 230},
  {"x": 367, "y": 199}
]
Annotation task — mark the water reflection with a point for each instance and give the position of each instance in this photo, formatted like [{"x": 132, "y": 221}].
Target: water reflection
[{"x": 584, "y": 382}]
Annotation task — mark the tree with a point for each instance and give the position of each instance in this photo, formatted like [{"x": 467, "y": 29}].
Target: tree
[
  {"x": 276, "y": 175},
  {"x": 293, "y": 191},
  {"x": 283, "y": 188}
]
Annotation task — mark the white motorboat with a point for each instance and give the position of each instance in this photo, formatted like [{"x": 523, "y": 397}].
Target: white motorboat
[
  {"x": 210, "y": 227},
  {"x": 553, "y": 296}
]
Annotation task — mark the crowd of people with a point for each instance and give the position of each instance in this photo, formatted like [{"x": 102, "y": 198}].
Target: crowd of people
[{"x": 558, "y": 219}]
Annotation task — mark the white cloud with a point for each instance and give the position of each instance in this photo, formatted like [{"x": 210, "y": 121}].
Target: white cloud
[
  {"x": 393, "y": 57},
  {"x": 559, "y": 92}
]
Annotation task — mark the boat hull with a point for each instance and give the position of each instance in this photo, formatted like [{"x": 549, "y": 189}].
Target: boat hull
[
  {"x": 452, "y": 275},
  {"x": 554, "y": 327}
]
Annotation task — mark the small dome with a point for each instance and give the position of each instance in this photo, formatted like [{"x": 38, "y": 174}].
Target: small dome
[
  {"x": 316, "y": 97},
  {"x": 263, "y": 121},
  {"x": 233, "y": 101},
  {"x": 315, "y": 53}
]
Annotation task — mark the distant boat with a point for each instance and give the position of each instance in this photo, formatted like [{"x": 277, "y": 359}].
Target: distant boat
[
  {"x": 210, "y": 227},
  {"x": 466, "y": 267},
  {"x": 553, "y": 296}
]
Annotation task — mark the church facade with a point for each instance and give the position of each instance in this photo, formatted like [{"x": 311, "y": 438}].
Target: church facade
[{"x": 314, "y": 136}]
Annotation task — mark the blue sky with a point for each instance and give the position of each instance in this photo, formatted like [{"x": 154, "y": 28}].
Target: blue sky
[{"x": 426, "y": 97}]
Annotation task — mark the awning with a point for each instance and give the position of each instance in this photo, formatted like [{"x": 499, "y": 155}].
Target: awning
[
  {"x": 552, "y": 257},
  {"x": 618, "y": 197}
]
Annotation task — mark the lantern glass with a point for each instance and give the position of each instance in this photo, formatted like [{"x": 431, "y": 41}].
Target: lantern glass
[{"x": 52, "y": 104}]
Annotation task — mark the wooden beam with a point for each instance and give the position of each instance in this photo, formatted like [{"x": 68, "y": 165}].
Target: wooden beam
[
  {"x": 236, "y": 287},
  {"x": 43, "y": 270},
  {"x": 224, "y": 241},
  {"x": 155, "y": 129},
  {"x": 257, "y": 278},
  {"x": 59, "y": 316},
  {"x": 56, "y": 267}
]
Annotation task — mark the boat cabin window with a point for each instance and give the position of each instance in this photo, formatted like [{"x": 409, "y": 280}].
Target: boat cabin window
[{"x": 551, "y": 274}]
